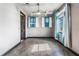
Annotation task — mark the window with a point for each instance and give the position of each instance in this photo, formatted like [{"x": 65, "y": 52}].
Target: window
[
  {"x": 32, "y": 21},
  {"x": 46, "y": 21}
]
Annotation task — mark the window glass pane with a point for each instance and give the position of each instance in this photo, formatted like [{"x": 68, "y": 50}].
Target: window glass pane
[
  {"x": 32, "y": 25},
  {"x": 46, "y": 20},
  {"x": 61, "y": 23},
  {"x": 32, "y": 21}
]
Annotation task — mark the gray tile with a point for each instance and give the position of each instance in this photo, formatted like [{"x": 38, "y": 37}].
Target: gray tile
[{"x": 39, "y": 47}]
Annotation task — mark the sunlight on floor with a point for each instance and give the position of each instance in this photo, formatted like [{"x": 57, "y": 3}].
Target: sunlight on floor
[
  {"x": 34, "y": 48},
  {"x": 40, "y": 47}
]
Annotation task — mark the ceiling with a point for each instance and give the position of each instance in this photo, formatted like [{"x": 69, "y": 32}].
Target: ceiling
[{"x": 48, "y": 7}]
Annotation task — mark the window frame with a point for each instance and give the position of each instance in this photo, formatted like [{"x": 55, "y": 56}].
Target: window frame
[
  {"x": 46, "y": 24},
  {"x": 32, "y": 22}
]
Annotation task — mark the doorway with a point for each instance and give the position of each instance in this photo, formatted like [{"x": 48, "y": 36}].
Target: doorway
[{"x": 22, "y": 23}]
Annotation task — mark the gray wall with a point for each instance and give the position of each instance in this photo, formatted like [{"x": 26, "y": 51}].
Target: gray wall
[
  {"x": 9, "y": 27},
  {"x": 75, "y": 27},
  {"x": 40, "y": 30}
]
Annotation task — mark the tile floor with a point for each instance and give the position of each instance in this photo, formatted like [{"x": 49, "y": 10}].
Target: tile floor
[{"x": 39, "y": 47}]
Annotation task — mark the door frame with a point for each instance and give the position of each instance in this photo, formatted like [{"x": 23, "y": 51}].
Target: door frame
[{"x": 22, "y": 14}]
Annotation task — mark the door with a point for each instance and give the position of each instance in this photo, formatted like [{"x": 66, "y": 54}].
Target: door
[
  {"x": 61, "y": 21},
  {"x": 60, "y": 27},
  {"x": 22, "y": 18}
]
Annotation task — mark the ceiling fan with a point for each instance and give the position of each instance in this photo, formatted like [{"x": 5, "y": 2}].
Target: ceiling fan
[{"x": 38, "y": 12}]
